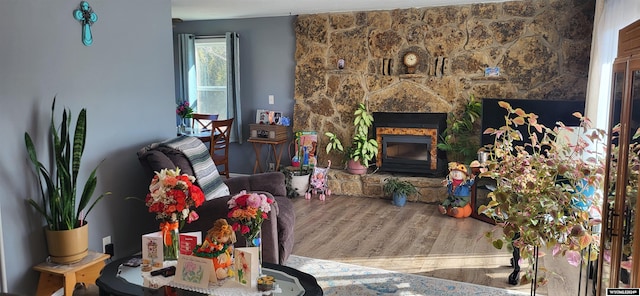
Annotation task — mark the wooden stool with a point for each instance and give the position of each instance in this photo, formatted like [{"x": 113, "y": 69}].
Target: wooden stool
[{"x": 54, "y": 276}]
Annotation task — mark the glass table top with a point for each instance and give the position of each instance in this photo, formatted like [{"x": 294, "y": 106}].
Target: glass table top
[{"x": 288, "y": 284}]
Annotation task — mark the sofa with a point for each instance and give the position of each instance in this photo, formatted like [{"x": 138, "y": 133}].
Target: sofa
[{"x": 277, "y": 230}]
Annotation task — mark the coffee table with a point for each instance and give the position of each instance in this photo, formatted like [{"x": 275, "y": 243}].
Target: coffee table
[{"x": 111, "y": 282}]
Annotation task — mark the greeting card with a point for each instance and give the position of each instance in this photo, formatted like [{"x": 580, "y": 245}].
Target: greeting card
[
  {"x": 152, "y": 252},
  {"x": 188, "y": 241},
  {"x": 194, "y": 271},
  {"x": 247, "y": 266}
]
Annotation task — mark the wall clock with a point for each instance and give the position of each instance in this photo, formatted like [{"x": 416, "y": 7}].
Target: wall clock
[{"x": 410, "y": 60}]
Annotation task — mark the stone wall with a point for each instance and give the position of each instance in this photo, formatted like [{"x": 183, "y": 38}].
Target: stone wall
[{"x": 542, "y": 48}]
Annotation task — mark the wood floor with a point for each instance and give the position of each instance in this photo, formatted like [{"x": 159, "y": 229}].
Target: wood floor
[{"x": 414, "y": 239}]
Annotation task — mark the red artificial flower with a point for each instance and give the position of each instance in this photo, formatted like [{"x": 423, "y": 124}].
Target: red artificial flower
[
  {"x": 171, "y": 193},
  {"x": 244, "y": 229}
]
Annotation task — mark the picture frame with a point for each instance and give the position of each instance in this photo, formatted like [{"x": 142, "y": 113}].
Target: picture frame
[{"x": 264, "y": 116}]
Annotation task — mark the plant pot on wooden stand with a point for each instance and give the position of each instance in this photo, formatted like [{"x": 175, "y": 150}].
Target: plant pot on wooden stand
[
  {"x": 68, "y": 246},
  {"x": 66, "y": 231}
]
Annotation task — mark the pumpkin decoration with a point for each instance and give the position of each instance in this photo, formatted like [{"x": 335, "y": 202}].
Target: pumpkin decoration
[{"x": 460, "y": 212}]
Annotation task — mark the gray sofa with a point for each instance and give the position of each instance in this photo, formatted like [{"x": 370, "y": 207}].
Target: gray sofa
[{"x": 277, "y": 230}]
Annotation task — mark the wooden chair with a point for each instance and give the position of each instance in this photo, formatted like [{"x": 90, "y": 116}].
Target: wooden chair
[
  {"x": 203, "y": 120},
  {"x": 219, "y": 147}
]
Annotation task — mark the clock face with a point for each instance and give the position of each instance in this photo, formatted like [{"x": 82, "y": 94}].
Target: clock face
[{"x": 410, "y": 59}]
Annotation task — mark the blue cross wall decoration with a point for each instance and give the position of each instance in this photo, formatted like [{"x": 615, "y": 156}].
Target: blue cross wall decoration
[{"x": 87, "y": 17}]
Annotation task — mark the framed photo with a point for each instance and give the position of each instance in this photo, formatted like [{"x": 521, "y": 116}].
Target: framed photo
[
  {"x": 268, "y": 116},
  {"x": 262, "y": 116},
  {"x": 492, "y": 71},
  {"x": 194, "y": 271}
]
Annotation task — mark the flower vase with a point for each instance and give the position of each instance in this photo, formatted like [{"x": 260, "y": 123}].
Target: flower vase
[
  {"x": 255, "y": 240},
  {"x": 182, "y": 128},
  {"x": 170, "y": 240}
]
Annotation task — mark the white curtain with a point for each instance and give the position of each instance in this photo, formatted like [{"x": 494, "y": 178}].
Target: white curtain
[
  {"x": 610, "y": 17},
  {"x": 187, "y": 83},
  {"x": 233, "y": 84}
]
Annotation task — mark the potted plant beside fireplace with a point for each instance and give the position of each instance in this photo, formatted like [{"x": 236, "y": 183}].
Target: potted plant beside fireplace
[
  {"x": 460, "y": 139},
  {"x": 363, "y": 149},
  {"x": 399, "y": 190}
]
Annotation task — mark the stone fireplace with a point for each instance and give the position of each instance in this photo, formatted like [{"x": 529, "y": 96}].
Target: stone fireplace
[
  {"x": 407, "y": 142},
  {"x": 540, "y": 47}
]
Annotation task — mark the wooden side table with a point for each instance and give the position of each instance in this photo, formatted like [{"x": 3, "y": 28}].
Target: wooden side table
[
  {"x": 277, "y": 153},
  {"x": 54, "y": 276}
]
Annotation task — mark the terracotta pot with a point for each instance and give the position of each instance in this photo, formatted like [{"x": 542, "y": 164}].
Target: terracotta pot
[
  {"x": 356, "y": 168},
  {"x": 68, "y": 246}
]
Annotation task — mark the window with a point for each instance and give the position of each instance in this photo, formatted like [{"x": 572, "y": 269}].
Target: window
[
  {"x": 209, "y": 76},
  {"x": 211, "y": 73}
]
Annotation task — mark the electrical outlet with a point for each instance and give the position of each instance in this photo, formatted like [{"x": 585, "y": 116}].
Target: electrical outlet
[
  {"x": 271, "y": 99},
  {"x": 272, "y": 166},
  {"x": 110, "y": 249},
  {"x": 105, "y": 241}
]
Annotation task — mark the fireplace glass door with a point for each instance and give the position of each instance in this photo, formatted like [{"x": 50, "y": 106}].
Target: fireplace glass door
[{"x": 406, "y": 152}]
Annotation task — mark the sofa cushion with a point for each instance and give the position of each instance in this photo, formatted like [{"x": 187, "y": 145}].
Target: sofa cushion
[{"x": 204, "y": 169}]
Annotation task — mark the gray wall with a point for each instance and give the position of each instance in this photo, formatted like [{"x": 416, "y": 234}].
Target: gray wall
[
  {"x": 125, "y": 80},
  {"x": 267, "y": 64}
]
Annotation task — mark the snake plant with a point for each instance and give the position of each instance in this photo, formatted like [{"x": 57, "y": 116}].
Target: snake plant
[{"x": 59, "y": 185}]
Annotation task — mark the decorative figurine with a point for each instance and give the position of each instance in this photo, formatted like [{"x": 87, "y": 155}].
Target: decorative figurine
[
  {"x": 218, "y": 245},
  {"x": 459, "y": 192}
]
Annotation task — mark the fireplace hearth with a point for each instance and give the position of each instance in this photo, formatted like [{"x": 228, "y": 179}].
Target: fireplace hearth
[{"x": 407, "y": 143}]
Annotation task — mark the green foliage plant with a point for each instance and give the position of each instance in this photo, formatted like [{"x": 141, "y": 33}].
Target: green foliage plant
[
  {"x": 460, "y": 140},
  {"x": 59, "y": 185},
  {"x": 394, "y": 185},
  {"x": 363, "y": 149},
  {"x": 543, "y": 188}
]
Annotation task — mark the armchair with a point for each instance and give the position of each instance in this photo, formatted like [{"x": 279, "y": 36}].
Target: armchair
[{"x": 277, "y": 230}]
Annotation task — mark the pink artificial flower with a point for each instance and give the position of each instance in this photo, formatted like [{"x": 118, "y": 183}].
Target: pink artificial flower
[
  {"x": 254, "y": 201},
  {"x": 193, "y": 216}
]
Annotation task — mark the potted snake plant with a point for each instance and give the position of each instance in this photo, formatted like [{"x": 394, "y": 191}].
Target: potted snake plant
[{"x": 67, "y": 229}]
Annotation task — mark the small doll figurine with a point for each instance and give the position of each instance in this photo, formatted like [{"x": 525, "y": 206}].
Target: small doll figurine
[
  {"x": 218, "y": 245},
  {"x": 458, "y": 190}
]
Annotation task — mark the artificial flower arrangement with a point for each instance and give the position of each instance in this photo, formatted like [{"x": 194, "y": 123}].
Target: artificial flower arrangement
[
  {"x": 544, "y": 197},
  {"x": 248, "y": 211},
  {"x": 173, "y": 197},
  {"x": 184, "y": 110}
]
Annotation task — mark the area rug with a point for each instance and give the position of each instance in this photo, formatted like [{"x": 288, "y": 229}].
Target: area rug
[{"x": 337, "y": 278}]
